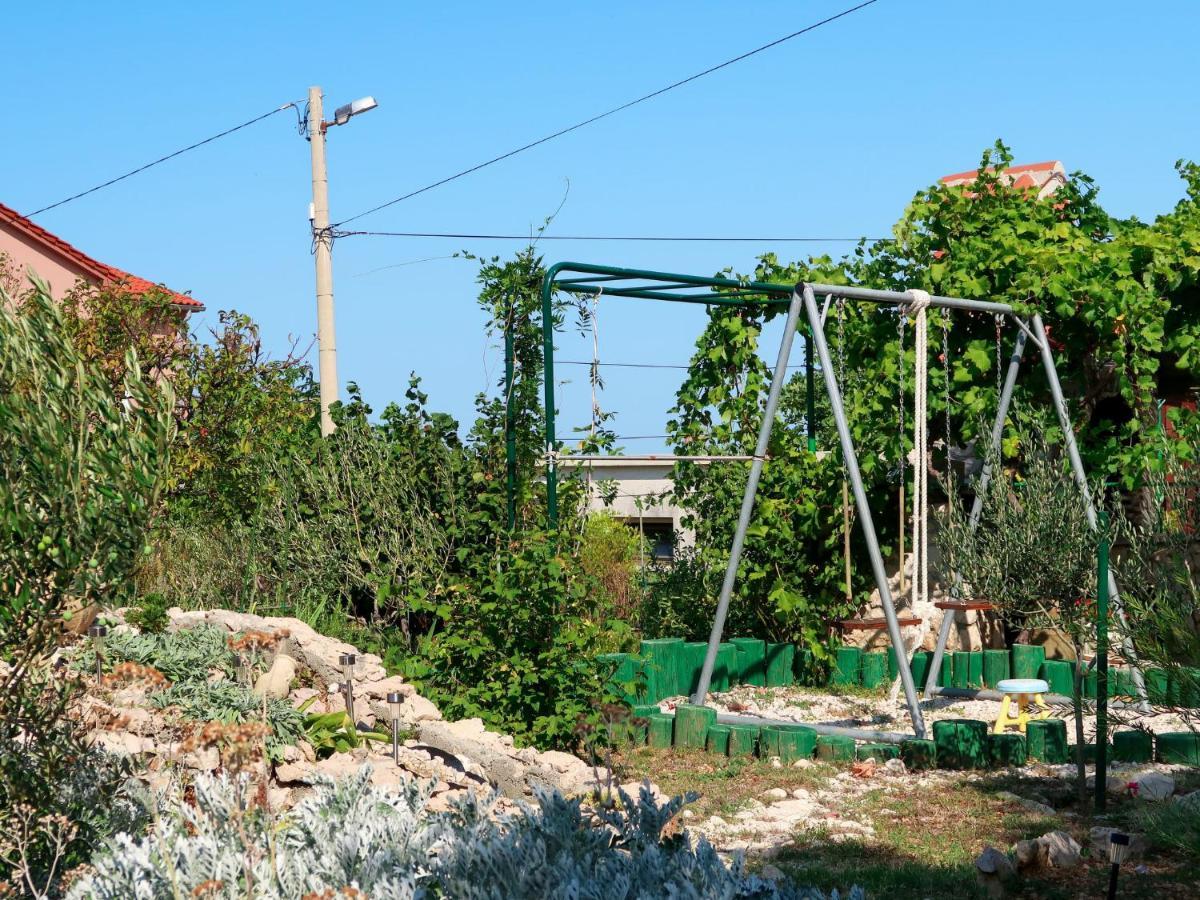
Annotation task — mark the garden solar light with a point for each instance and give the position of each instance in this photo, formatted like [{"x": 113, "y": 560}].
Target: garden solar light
[
  {"x": 243, "y": 669},
  {"x": 393, "y": 699},
  {"x": 344, "y": 114},
  {"x": 98, "y": 633},
  {"x": 1118, "y": 849},
  {"x": 347, "y": 661}
]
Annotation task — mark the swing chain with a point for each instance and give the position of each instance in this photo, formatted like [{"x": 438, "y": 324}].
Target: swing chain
[
  {"x": 901, "y": 326},
  {"x": 999, "y": 361}
]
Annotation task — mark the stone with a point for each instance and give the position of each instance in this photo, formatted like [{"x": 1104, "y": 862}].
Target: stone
[
  {"x": 776, "y": 762},
  {"x": 393, "y": 684},
  {"x": 1153, "y": 786},
  {"x": 803, "y": 763},
  {"x": 1032, "y": 805},
  {"x": 775, "y": 794},
  {"x": 1061, "y": 850},
  {"x": 205, "y": 759},
  {"x": 1190, "y": 800},
  {"x": 772, "y": 873},
  {"x": 295, "y": 772},
  {"x": 276, "y": 682},
  {"x": 995, "y": 862},
  {"x": 123, "y": 743},
  {"x": 895, "y": 767},
  {"x": 1099, "y": 838},
  {"x": 1027, "y": 854}
]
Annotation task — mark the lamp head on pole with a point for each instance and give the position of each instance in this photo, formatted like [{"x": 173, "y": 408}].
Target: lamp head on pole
[{"x": 344, "y": 114}]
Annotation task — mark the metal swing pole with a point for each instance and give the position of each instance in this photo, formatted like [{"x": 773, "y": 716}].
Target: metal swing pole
[
  {"x": 864, "y": 509},
  {"x": 985, "y": 477},
  {"x": 1064, "y": 419},
  {"x": 739, "y": 535}
]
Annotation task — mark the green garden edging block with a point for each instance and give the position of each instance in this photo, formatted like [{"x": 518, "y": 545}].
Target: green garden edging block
[
  {"x": 946, "y": 673},
  {"x": 1133, "y": 746},
  {"x": 995, "y": 667},
  {"x": 1178, "y": 747},
  {"x": 961, "y": 743},
  {"x": 692, "y": 724},
  {"x": 919, "y": 665},
  {"x": 743, "y": 740},
  {"x": 1027, "y": 660},
  {"x": 693, "y": 652},
  {"x": 1091, "y": 681},
  {"x": 918, "y": 754},
  {"x": 639, "y": 734},
  {"x": 893, "y": 667},
  {"x": 752, "y": 660},
  {"x": 1048, "y": 741},
  {"x": 874, "y": 669},
  {"x": 779, "y": 662},
  {"x": 725, "y": 668},
  {"x": 788, "y": 742},
  {"x": 662, "y": 661},
  {"x": 975, "y": 669},
  {"x": 1181, "y": 688},
  {"x": 835, "y": 748},
  {"x": 1060, "y": 675},
  {"x": 881, "y": 752},
  {"x": 1089, "y": 753},
  {"x": 1007, "y": 749},
  {"x": 961, "y": 677},
  {"x": 661, "y": 730},
  {"x": 847, "y": 665},
  {"x": 1156, "y": 687},
  {"x": 717, "y": 739},
  {"x": 623, "y": 669},
  {"x": 805, "y": 664},
  {"x": 1120, "y": 683}
]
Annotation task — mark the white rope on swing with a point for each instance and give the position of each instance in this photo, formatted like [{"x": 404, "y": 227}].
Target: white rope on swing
[{"x": 918, "y": 458}]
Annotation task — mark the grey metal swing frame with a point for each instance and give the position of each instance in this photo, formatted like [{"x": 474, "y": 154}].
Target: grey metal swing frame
[{"x": 651, "y": 285}]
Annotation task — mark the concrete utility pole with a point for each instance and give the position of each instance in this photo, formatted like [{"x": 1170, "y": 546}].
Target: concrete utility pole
[{"x": 323, "y": 251}]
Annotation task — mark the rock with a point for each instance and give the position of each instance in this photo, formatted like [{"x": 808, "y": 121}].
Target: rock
[
  {"x": 1061, "y": 850},
  {"x": 800, "y": 794},
  {"x": 306, "y": 751},
  {"x": 687, "y": 814},
  {"x": 123, "y": 743},
  {"x": 776, "y": 763},
  {"x": 394, "y": 684},
  {"x": 772, "y": 873},
  {"x": 1031, "y": 805},
  {"x": 276, "y": 682},
  {"x": 803, "y": 763},
  {"x": 1027, "y": 854},
  {"x": 1100, "y": 839},
  {"x": 294, "y": 772},
  {"x": 1191, "y": 800},
  {"x": 204, "y": 759},
  {"x": 994, "y": 862},
  {"x": 895, "y": 767},
  {"x": 992, "y": 870},
  {"x": 775, "y": 794},
  {"x": 1153, "y": 786}
]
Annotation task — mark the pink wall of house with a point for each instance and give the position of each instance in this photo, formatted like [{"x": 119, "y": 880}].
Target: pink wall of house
[{"x": 26, "y": 257}]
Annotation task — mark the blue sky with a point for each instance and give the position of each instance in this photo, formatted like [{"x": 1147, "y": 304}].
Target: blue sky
[{"x": 852, "y": 119}]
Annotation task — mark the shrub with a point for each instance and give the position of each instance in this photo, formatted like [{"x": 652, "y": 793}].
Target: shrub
[
  {"x": 231, "y": 704},
  {"x": 150, "y": 616},
  {"x": 517, "y": 647},
  {"x": 352, "y": 839},
  {"x": 189, "y": 654},
  {"x": 611, "y": 553}
]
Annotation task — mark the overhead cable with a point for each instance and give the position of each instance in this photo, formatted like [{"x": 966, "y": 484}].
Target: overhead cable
[
  {"x": 162, "y": 159},
  {"x": 613, "y": 111}
]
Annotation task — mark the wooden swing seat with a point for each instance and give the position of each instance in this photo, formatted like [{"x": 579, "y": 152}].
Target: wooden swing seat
[
  {"x": 964, "y": 605},
  {"x": 875, "y": 624}
]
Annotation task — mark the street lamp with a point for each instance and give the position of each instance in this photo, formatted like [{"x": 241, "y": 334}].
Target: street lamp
[
  {"x": 1118, "y": 849},
  {"x": 394, "y": 698},
  {"x": 323, "y": 242}
]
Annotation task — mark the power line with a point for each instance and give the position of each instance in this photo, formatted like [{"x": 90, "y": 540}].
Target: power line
[
  {"x": 150, "y": 165},
  {"x": 598, "y": 237},
  {"x": 613, "y": 111}
]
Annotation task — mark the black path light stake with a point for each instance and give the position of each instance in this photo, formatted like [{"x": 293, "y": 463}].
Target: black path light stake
[
  {"x": 1118, "y": 848},
  {"x": 98, "y": 633},
  {"x": 393, "y": 700},
  {"x": 347, "y": 661}
]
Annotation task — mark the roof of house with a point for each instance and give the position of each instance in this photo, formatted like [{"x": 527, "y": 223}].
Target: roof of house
[
  {"x": 101, "y": 272},
  {"x": 1044, "y": 177}
]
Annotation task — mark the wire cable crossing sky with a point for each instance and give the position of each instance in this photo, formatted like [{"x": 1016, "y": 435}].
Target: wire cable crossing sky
[
  {"x": 162, "y": 159},
  {"x": 611, "y": 112}
]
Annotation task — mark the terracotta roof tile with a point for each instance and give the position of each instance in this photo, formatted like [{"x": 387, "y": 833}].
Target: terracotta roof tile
[{"x": 99, "y": 272}]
